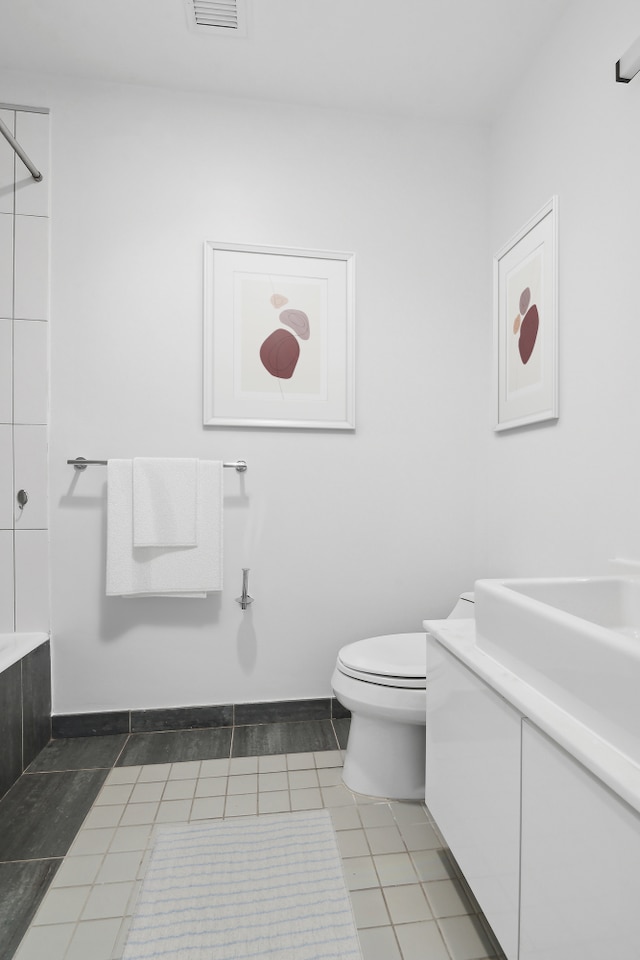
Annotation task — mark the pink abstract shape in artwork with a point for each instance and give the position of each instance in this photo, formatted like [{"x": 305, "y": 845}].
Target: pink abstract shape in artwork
[
  {"x": 278, "y": 300},
  {"x": 298, "y": 321},
  {"x": 525, "y": 300},
  {"x": 279, "y": 354}
]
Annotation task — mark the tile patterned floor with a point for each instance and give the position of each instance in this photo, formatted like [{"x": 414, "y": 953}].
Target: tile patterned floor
[
  {"x": 41, "y": 814},
  {"x": 406, "y": 899}
]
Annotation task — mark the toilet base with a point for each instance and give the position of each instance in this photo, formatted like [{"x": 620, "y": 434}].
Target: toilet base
[{"x": 385, "y": 759}]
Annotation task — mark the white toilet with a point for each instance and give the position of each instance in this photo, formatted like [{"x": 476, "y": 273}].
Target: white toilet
[{"x": 382, "y": 681}]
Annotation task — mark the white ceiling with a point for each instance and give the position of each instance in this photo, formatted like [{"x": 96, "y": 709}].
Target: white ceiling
[{"x": 453, "y": 58}]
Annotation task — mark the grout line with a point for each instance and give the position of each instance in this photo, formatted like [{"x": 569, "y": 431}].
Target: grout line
[
  {"x": 34, "y": 859},
  {"x": 121, "y": 751},
  {"x": 13, "y": 383},
  {"x": 335, "y": 734}
]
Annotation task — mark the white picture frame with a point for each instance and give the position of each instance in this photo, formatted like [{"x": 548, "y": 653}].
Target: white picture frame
[
  {"x": 279, "y": 337},
  {"x": 525, "y": 284}
]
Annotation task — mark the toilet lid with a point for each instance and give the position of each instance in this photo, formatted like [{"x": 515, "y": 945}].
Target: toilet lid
[{"x": 398, "y": 659}]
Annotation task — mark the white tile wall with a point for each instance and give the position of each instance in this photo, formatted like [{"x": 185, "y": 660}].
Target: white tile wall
[
  {"x": 32, "y": 580},
  {"x": 32, "y": 133},
  {"x": 6, "y": 265},
  {"x": 30, "y": 365},
  {"x": 31, "y": 268},
  {"x": 30, "y": 474},
  {"x": 6, "y": 371},
  {"x": 6, "y": 581},
  {"x": 6, "y": 478},
  {"x": 6, "y": 164},
  {"x": 24, "y": 297}
]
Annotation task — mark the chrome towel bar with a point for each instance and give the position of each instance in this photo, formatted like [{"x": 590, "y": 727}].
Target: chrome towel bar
[{"x": 81, "y": 464}]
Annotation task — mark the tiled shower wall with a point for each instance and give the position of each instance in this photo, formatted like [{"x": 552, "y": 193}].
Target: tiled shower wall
[{"x": 24, "y": 378}]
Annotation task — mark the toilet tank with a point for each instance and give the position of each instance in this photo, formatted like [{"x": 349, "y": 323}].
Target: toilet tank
[{"x": 463, "y": 609}]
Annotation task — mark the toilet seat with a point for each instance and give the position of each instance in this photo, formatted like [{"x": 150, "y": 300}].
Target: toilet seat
[
  {"x": 382, "y": 681},
  {"x": 394, "y": 660}
]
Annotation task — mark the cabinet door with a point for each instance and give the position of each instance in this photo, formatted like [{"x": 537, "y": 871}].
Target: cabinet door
[
  {"x": 580, "y": 886},
  {"x": 473, "y": 785}
]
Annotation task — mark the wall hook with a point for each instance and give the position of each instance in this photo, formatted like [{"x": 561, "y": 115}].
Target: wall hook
[{"x": 245, "y": 599}]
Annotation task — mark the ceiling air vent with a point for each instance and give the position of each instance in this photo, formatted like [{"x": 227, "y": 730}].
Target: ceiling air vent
[{"x": 217, "y": 17}]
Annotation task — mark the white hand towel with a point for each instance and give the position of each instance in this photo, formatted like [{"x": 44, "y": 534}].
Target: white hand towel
[
  {"x": 163, "y": 571},
  {"x": 165, "y": 502}
]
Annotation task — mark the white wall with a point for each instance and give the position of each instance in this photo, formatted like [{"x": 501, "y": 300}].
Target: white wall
[
  {"x": 564, "y": 498},
  {"x": 362, "y": 533}
]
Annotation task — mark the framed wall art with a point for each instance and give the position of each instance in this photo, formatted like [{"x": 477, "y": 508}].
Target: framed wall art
[
  {"x": 278, "y": 337},
  {"x": 525, "y": 284}
]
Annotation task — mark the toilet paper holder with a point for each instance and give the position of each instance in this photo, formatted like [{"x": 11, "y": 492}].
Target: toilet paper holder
[{"x": 244, "y": 600}]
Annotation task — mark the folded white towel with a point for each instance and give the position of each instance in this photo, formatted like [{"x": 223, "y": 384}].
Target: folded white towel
[
  {"x": 163, "y": 571},
  {"x": 165, "y": 502}
]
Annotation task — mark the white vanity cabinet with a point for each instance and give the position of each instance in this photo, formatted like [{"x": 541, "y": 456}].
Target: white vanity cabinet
[
  {"x": 473, "y": 785},
  {"x": 551, "y": 853},
  {"x": 580, "y": 860}
]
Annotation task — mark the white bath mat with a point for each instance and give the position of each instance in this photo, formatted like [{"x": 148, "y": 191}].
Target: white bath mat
[{"x": 247, "y": 887}]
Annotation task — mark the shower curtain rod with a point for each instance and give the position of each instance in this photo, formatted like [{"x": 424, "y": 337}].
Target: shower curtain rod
[
  {"x": 6, "y": 133},
  {"x": 81, "y": 464}
]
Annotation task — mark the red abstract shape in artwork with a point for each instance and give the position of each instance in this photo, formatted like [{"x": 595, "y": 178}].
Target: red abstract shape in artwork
[
  {"x": 279, "y": 354},
  {"x": 528, "y": 333}
]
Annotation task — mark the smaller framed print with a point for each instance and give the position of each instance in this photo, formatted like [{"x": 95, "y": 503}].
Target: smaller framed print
[
  {"x": 525, "y": 285},
  {"x": 278, "y": 337}
]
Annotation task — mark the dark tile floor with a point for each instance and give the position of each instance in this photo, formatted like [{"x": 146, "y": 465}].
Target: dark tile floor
[{"x": 41, "y": 814}]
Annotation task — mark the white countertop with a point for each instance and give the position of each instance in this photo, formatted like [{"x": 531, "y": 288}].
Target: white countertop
[{"x": 616, "y": 770}]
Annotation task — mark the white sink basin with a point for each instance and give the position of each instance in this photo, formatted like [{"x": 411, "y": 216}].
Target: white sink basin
[{"x": 577, "y": 640}]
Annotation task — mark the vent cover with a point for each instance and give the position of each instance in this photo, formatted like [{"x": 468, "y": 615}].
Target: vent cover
[{"x": 217, "y": 17}]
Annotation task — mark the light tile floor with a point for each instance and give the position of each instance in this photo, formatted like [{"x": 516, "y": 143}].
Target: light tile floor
[{"x": 407, "y": 901}]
